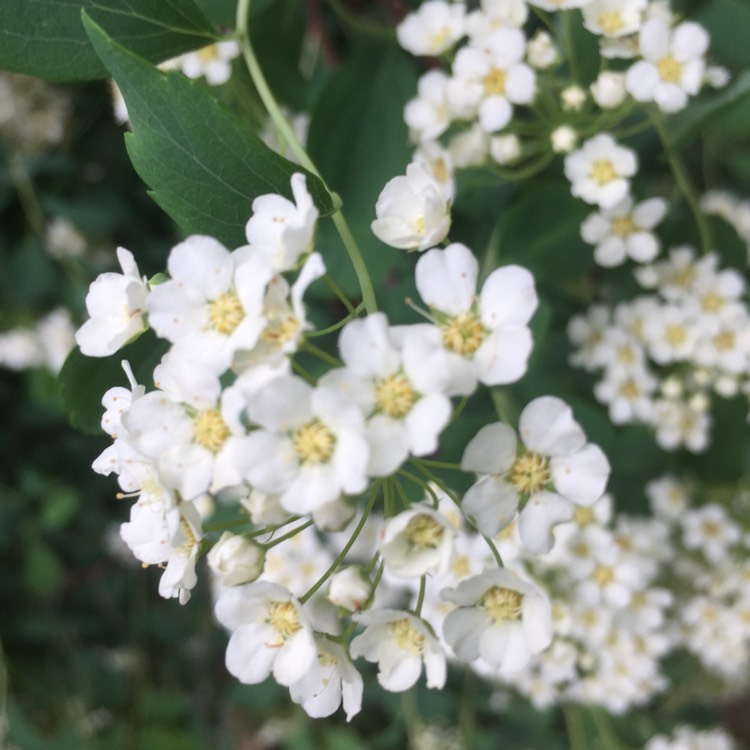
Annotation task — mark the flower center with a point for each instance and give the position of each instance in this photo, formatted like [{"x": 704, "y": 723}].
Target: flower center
[
  {"x": 394, "y": 396},
  {"x": 440, "y": 170},
  {"x": 494, "y": 82},
  {"x": 208, "y": 54},
  {"x": 424, "y": 531},
  {"x": 675, "y": 334},
  {"x": 438, "y": 40},
  {"x": 630, "y": 390},
  {"x": 502, "y": 604},
  {"x": 670, "y": 71},
  {"x": 583, "y": 516},
  {"x": 284, "y": 619},
  {"x": 210, "y": 430},
  {"x": 530, "y": 472},
  {"x": 327, "y": 659},
  {"x": 610, "y": 22},
  {"x": 602, "y": 172},
  {"x": 623, "y": 226},
  {"x": 604, "y": 575},
  {"x": 226, "y": 313},
  {"x": 463, "y": 334},
  {"x": 280, "y": 330},
  {"x": 712, "y": 302},
  {"x": 314, "y": 443},
  {"x": 724, "y": 341},
  {"x": 407, "y": 637}
]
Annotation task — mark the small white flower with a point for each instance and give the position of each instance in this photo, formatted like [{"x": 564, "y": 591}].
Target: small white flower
[
  {"x": 428, "y": 115},
  {"x": 541, "y": 51},
  {"x": 573, "y": 98},
  {"x": 400, "y": 643},
  {"x": 412, "y": 212},
  {"x": 214, "y": 62},
  {"x": 608, "y": 89},
  {"x": 417, "y": 541},
  {"x": 625, "y": 230},
  {"x": 434, "y": 28},
  {"x": 116, "y": 303},
  {"x": 271, "y": 633},
  {"x": 599, "y": 171},
  {"x": 349, "y": 588},
  {"x": 235, "y": 559},
  {"x": 555, "y": 5},
  {"x": 672, "y": 67},
  {"x": 563, "y": 139},
  {"x": 505, "y": 149},
  {"x": 613, "y": 18},
  {"x": 500, "y": 618}
]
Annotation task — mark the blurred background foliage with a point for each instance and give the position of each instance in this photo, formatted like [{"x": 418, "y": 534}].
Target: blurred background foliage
[{"x": 92, "y": 657}]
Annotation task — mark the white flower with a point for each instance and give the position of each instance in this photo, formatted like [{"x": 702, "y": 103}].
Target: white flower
[
  {"x": 400, "y": 643},
  {"x": 469, "y": 148},
  {"x": 710, "y": 530},
  {"x": 500, "y": 618},
  {"x": 541, "y": 51},
  {"x": 428, "y": 115},
  {"x": 506, "y": 148},
  {"x": 434, "y": 28},
  {"x": 310, "y": 446},
  {"x": 349, "y": 588},
  {"x": 271, "y": 633},
  {"x": 573, "y": 98},
  {"x": 235, "y": 559},
  {"x": 417, "y": 541},
  {"x": 673, "y": 64},
  {"x": 281, "y": 230},
  {"x": 214, "y": 62},
  {"x": 481, "y": 337},
  {"x": 608, "y": 89},
  {"x": 555, "y": 468},
  {"x": 412, "y": 212},
  {"x": 440, "y": 163},
  {"x": 624, "y": 230},
  {"x": 563, "y": 139},
  {"x": 116, "y": 303},
  {"x": 555, "y": 5},
  {"x": 331, "y": 681},
  {"x": 599, "y": 171},
  {"x": 212, "y": 303},
  {"x": 613, "y": 18},
  {"x": 487, "y": 81}
]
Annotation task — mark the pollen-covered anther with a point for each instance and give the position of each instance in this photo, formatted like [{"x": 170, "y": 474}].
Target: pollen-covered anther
[
  {"x": 283, "y": 617},
  {"x": 394, "y": 396},
  {"x": 494, "y": 82},
  {"x": 210, "y": 430},
  {"x": 604, "y": 575},
  {"x": 463, "y": 334},
  {"x": 623, "y": 226},
  {"x": 670, "y": 70},
  {"x": 530, "y": 472},
  {"x": 424, "y": 531},
  {"x": 610, "y": 22},
  {"x": 314, "y": 443},
  {"x": 406, "y": 636},
  {"x": 502, "y": 604},
  {"x": 280, "y": 330},
  {"x": 226, "y": 312},
  {"x": 603, "y": 171}
]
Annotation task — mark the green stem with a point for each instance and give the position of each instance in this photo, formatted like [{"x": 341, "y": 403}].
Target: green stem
[
  {"x": 335, "y": 327},
  {"x": 436, "y": 464},
  {"x": 339, "y": 292},
  {"x": 322, "y": 355},
  {"x": 420, "y": 598},
  {"x": 286, "y": 132},
  {"x": 288, "y": 535},
  {"x": 345, "y": 551},
  {"x": 493, "y": 549},
  {"x": 566, "y": 19},
  {"x": 685, "y": 183},
  {"x": 30, "y": 205},
  {"x": 208, "y": 528},
  {"x": 575, "y": 728}
]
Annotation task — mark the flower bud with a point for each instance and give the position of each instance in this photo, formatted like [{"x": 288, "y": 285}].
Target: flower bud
[
  {"x": 349, "y": 588},
  {"x": 505, "y": 149},
  {"x": 608, "y": 89},
  {"x": 541, "y": 51},
  {"x": 573, "y": 98},
  {"x": 235, "y": 559},
  {"x": 563, "y": 139}
]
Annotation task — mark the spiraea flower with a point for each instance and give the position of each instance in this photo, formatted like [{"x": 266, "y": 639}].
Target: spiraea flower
[
  {"x": 499, "y": 618},
  {"x": 553, "y": 469},
  {"x": 116, "y": 304},
  {"x": 599, "y": 171},
  {"x": 434, "y": 28},
  {"x": 673, "y": 64},
  {"x": 412, "y": 211},
  {"x": 400, "y": 644}
]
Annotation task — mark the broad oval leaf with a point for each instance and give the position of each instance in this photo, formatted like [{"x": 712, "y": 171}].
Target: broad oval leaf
[
  {"x": 203, "y": 164},
  {"x": 45, "y": 38}
]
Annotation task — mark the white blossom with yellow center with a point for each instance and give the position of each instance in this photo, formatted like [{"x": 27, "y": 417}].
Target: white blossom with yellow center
[
  {"x": 417, "y": 541},
  {"x": 489, "y": 78},
  {"x": 553, "y": 469},
  {"x": 432, "y": 29},
  {"x": 499, "y": 618},
  {"x": 405, "y": 412},
  {"x": 213, "y": 62},
  {"x": 212, "y": 305},
  {"x": 599, "y": 171},
  {"x": 400, "y": 644},
  {"x": 310, "y": 447},
  {"x": 613, "y": 18},
  {"x": 476, "y": 337},
  {"x": 271, "y": 633},
  {"x": 673, "y": 64}
]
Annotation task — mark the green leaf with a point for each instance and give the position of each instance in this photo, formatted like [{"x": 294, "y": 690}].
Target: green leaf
[
  {"x": 359, "y": 141},
  {"x": 695, "y": 117},
  {"x": 45, "y": 38},
  {"x": 84, "y": 380},
  {"x": 203, "y": 164}
]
